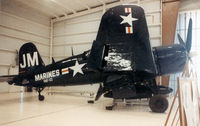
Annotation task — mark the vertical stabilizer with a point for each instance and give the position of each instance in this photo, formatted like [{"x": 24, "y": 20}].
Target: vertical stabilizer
[{"x": 29, "y": 58}]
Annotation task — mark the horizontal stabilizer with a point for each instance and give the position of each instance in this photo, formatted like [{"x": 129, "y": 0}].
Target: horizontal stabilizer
[{"x": 7, "y": 78}]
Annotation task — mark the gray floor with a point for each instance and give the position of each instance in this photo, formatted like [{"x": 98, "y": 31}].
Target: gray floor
[{"x": 23, "y": 109}]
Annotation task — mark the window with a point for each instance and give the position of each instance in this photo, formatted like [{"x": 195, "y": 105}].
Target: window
[{"x": 181, "y": 28}]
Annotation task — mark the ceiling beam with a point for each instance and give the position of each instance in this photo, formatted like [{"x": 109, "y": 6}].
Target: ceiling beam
[
  {"x": 50, "y": 6},
  {"x": 33, "y": 5},
  {"x": 92, "y": 10},
  {"x": 122, "y": 1},
  {"x": 102, "y": 1},
  {"x": 82, "y": 4},
  {"x": 63, "y": 7}
]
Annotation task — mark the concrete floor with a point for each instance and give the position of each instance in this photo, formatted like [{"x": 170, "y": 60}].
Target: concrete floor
[{"x": 24, "y": 109}]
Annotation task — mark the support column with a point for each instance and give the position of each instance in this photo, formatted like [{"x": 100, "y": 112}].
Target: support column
[
  {"x": 51, "y": 42},
  {"x": 169, "y": 19}
]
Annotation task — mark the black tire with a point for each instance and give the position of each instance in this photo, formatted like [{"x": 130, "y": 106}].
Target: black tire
[
  {"x": 109, "y": 107},
  {"x": 41, "y": 98},
  {"x": 91, "y": 102},
  {"x": 158, "y": 104}
]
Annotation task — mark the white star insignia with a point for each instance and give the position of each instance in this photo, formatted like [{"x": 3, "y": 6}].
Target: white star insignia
[
  {"x": 128, "y": 19},
  {"x": 77, "y": 68}
]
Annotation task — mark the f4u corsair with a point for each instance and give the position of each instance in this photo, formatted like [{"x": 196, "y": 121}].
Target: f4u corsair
[{"x": 121, "y": 59}]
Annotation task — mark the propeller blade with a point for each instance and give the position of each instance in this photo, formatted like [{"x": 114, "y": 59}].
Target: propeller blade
[
  {"x": 190, "y": 59},
  {"x": 189, "y": 36},
  {"x": 181, "y": 40}
]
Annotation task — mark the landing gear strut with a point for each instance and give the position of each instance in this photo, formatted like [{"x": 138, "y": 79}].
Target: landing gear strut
[{"x": 40, "y": 97}]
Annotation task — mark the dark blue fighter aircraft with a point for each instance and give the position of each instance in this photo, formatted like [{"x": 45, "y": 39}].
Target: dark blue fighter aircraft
[{"x": 121, "y": 59}]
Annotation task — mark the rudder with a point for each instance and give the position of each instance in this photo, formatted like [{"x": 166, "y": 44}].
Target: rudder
[{"x": 29, "y": 58}]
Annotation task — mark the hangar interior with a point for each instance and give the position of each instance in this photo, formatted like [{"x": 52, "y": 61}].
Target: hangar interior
[
  {"x": 60, "y": 27},
  {"x": 55, "y": 28}
]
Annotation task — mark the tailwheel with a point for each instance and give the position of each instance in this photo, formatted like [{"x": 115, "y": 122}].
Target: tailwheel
[
  {"x": 158, "y": 104},
  {"x": 40, "y": 97},
  {"x": 90, "y": 101}
]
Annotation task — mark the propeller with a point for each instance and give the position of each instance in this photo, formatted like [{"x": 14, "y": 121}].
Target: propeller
[
  {"x": 189, "y": 36},
  {"x": 188, "y": 42}
]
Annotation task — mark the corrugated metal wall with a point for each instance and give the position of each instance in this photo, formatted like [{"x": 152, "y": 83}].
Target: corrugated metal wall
[{"x": 15, "y": 30}]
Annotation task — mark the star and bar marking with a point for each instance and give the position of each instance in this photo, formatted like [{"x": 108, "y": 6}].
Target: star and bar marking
[
  {"x": 77, "y": 68},
  {"x": 128, "y": 19},
  {"x": 65, "y": 71}
]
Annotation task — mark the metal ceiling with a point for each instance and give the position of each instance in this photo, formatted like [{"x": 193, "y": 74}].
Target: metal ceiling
[{"x": 62, "y": 8}]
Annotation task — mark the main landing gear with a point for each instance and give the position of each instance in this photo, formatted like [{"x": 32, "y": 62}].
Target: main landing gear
[
  {"x": 158, "y": 103},
  {"x": 40, "y": 97}
]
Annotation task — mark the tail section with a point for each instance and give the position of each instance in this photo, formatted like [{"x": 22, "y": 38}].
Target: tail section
[{"x": 29, "y": 58}]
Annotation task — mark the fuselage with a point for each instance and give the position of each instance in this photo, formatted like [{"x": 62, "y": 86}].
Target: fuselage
[
  {"x": 75, "y": 71},
  {"x": 70, "y": 71}
]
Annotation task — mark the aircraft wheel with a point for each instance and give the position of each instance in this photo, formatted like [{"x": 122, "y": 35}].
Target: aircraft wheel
[
  {"x": 158, "y": 104},
  {"x": 91, "y": 102},
  {"x": 109, "y": 107},
  {"x": 41, "y": 98}
]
